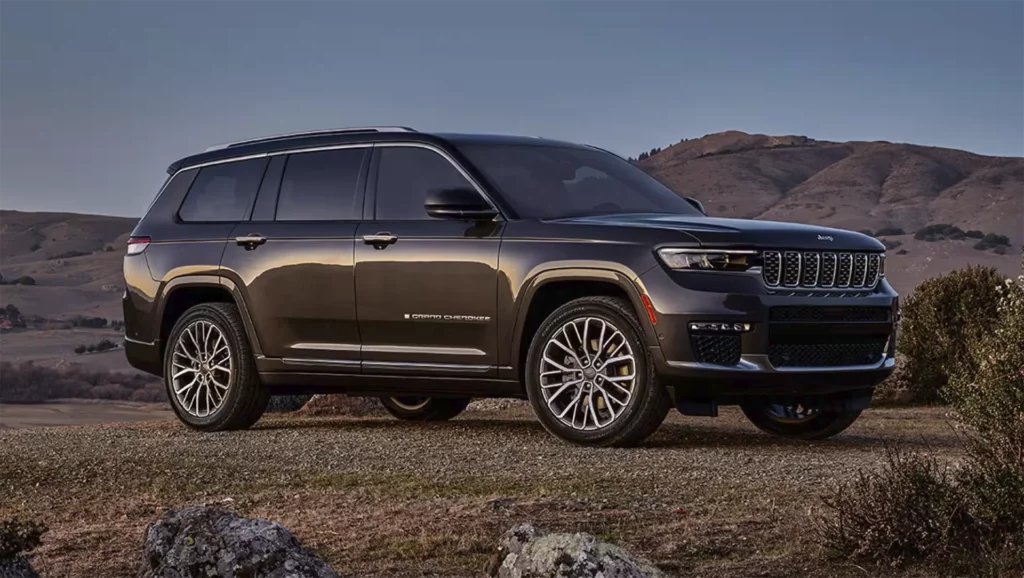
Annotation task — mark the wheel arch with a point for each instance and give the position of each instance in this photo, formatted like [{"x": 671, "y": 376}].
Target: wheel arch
[
  {"x": 549, "y": 290},
  {"x": 182, "y": 293}
]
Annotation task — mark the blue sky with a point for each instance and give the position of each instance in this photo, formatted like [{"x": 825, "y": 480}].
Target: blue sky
[{"x": 97, "y": 98}]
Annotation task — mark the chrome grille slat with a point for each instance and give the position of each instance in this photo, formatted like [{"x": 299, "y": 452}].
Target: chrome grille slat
[{"x": 817, "y": 269}]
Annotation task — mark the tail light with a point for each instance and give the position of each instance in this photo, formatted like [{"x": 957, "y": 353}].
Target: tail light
[{"x": 136, "y": 245}]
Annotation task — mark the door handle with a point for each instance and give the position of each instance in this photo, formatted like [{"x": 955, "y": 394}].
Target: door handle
[
  {"x": 251, "y": 241},
  {"x": 380, "y": 240}
]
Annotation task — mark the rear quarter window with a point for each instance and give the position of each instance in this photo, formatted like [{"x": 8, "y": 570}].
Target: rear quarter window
[{"x": 223, "y": 192}]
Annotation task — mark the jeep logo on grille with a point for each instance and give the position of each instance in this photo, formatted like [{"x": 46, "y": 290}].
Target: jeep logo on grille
[{"x": 825, "y": 238}]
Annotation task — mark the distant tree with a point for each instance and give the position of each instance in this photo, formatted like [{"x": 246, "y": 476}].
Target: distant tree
[
  {"x": 80, "y": 349},
  {"x": 90, "y": 348},
  {"x": 24, "y": 280},
  {"x": 973, "y": 234}
]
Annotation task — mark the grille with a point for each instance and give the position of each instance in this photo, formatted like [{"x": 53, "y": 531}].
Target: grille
[
  {"x": 717, "y": 349},
  {"x": 841, "y": 314},
  {"x": 817, "y": 269},
  {"x": 847, "y": 351}
]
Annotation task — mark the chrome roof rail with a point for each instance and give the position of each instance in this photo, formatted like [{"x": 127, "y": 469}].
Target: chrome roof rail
[{"x": 311, "y": 133}]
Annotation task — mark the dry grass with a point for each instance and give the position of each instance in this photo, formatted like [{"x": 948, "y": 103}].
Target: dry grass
[{"x": 380, "y": 497}]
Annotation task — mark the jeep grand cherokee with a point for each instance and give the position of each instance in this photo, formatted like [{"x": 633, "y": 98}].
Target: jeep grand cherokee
[{"x": 427, "y": 269}]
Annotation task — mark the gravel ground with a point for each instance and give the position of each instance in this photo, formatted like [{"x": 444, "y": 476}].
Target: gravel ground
[{"x": 379, "y": 497}]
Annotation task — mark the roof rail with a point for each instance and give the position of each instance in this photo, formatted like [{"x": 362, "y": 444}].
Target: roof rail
[{"x": 312, "y": 133}]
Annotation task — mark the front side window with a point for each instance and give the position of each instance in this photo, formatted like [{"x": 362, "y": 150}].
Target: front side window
[
  {"x": 553, "y": 182},
  {"x": 406, "y": 175},
  {"x": 321, "y": 186},
  {"x": 222, "y": 192}
]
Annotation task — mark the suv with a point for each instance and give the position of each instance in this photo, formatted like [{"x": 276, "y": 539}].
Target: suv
[{"x": 428, "y": 269}]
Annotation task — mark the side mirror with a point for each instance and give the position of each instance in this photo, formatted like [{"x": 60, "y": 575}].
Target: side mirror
[
  {"x": 696, "y": 204},
  {"x": 460, "y": 204}
]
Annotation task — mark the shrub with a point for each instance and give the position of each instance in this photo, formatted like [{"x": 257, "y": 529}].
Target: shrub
[
  {"x": 939, "y": 232},
  {"x": 80, "y": 349},
  {"x": 866, "y": 232},
  {"x": 973, "y": 234},
  {"x": 68, "y": 255},
  {"x": 902, "y": 252},
  {"x": 891, "y": 244},
  {"x": 889, "y": 231},
  {"x": 936, "y": 319},
  {"x": 24, "y": 280},
  {"x": 30, "y": 383},
  {"x": 967, "y": 520},
  {"x": 993, "y": 239}
]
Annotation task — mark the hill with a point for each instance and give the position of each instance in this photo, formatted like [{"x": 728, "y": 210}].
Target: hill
[
  {"x": 863, "y": 186},
  {"x": 74, "y": 259}
]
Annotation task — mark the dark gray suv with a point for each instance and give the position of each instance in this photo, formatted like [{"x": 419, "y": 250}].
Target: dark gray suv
[{"x": 428, "y": 269}]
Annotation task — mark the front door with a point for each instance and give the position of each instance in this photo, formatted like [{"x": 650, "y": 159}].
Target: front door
[
  {"x": 425, "y": 288},
  {"x": 293, "y": 262}
]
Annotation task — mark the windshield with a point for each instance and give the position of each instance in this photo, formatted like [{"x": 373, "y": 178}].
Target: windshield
[{"x": 552, "y": 182}]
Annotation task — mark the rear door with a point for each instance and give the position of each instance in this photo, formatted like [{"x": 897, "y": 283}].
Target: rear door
[
  {"x": 426, "y": 288},
  {"x": 293, "y": 262}
]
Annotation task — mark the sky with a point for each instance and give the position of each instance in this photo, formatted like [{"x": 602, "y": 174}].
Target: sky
[{"x": 97, "y": 98}]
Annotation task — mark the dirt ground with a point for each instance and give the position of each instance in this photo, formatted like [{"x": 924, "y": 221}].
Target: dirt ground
[
  {"x": 78, "y": 412},
  {"x": 56, "y": 348},
  {"x": 379, "y": 497}
]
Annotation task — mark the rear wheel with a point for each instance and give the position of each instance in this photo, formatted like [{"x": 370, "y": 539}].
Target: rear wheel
[
  {"x": 799, "y": 422},
  {"x": 589, "y": 377},
  {"x": 421, "y": 408},
  {"x": 209, "y": 370}
]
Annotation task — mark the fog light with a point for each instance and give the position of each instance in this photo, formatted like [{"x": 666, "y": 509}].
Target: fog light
[{"x": 720, "y": 327}]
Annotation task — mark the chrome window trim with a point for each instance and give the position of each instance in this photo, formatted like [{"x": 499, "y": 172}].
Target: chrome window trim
[
  {"x": 479, "y": 189},
  {"x": 342, "y": 130}
]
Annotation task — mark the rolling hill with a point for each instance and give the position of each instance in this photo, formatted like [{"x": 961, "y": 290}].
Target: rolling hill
[{"x": 863, "y": 186}]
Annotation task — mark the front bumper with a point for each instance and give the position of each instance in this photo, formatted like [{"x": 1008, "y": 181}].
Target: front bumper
[{"x": 681, "y": 298}]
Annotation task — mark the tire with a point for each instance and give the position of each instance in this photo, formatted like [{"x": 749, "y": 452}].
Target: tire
[
  {"x": 819, "y": 426},
  {"x": 243, "y": 401},
  {"x": 647, "y": 402},
  {"x": 413, "y": 408}
]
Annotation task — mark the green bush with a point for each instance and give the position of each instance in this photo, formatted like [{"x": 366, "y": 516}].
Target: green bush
[
  {"x": 967, "y": 520},
  {"x": 889, "y": 231},
  {"x": 939, "y": 232},
  {"x": 937, "y": 318}
]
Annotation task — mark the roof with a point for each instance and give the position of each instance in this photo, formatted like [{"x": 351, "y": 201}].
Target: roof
[{"x": 334, "y": 137}]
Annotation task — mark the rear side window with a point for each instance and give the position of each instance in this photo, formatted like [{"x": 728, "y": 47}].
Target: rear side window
[
  {"x": 321, "y": 186},
  {"x": 405, "y": 177},
  {"x": 223, "y": 192}
]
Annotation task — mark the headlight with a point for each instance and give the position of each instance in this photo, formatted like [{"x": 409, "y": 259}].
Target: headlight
[{"x": 707, "y": 259}]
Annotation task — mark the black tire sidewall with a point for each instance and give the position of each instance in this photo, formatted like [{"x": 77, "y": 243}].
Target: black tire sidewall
[
  {"x": 644, "y": 385},
  {"x": 240, "y": 358},
  {"x": 825, "y": 424},
  {"x": 436, "y": 408}
]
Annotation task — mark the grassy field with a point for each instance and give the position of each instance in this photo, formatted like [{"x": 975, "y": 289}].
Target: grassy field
[{"x": 378, "y": 497}]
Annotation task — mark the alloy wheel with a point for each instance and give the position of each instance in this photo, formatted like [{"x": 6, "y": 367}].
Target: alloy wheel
[
  {"x": 201, "y": 368},
  {"x": 588, "y": 373}
]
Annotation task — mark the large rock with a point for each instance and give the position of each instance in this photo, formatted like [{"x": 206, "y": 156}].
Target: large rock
[
  {"x": 287, "y": 403},
  {"x": 526, "y": 552},
  {"x": 16, "y": 539},
  {"x": 200, "y": 541},
  {"x": 339, "y": 404}
]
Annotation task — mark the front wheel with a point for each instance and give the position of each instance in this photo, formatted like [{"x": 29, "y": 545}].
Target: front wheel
[
  {"x": 799, "y": 422},
  {"x": 420, "y": 408},
  {"x": 590, "y": 378}
]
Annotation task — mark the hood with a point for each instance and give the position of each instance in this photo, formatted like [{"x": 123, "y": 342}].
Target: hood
[{"x": 715, "y": 232}]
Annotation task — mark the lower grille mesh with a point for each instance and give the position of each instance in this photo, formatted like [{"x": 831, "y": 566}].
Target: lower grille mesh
[
  {"x": 716, "y": 348},
  {"x": 850, "y": 351}
]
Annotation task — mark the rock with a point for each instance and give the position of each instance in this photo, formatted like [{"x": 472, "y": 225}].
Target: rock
[
  {"x": 286, "y": 403},
  {"x": 16, "y": 539},
  {"x": 526, "y": 552},
  {"x": 202, "y": 541},
  {"x": 16, "y": 567},
  {"x": 338, "y": 404}
]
